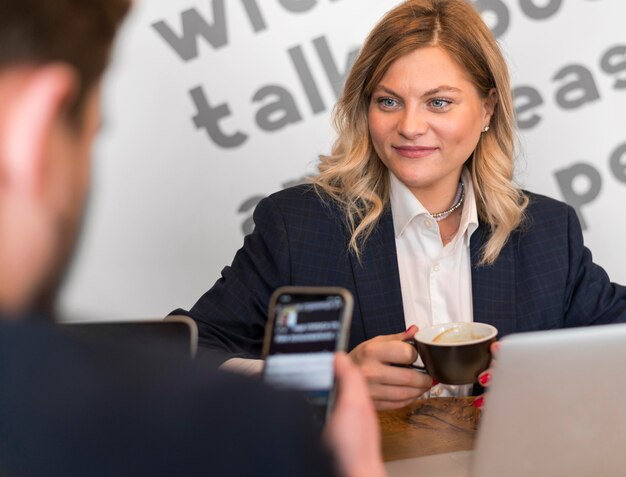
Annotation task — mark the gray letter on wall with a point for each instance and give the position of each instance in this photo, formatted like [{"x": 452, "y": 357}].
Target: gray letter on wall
[
  {"x": 530, "y": 99},
  {"x": 307, "y": 79},
  {"x": 584, "y": 83},
  {"x": 278, "y": 114},
  {"x": 195, "y": 25},
  {"x": 565, "y": 179},
  {"x": 540, "y": 13},
  {"x": 335, "y": 77},
  {"x": 298, "y": 6},
  {"x": 501, "y": 12},
  {"x": 617, "y": 165},
  {"x": 611, "y": 66},
  {"x": 208, "y": 118},
  {"x": 255, "y": 16}
]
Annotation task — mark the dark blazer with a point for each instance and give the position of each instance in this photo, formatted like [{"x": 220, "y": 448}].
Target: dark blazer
[
  {"x": 544, "y": 277},
  {"x": 71, "y": 407}
]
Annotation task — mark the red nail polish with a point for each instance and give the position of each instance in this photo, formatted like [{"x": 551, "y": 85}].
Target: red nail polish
[
  {"x": 478, "y": 402},
  {"x": 435, "y": 382},
  {"x": 484, "y": 379}
]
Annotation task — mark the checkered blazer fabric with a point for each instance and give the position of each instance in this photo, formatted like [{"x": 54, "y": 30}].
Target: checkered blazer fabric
[{"x": 544, "y": 277}]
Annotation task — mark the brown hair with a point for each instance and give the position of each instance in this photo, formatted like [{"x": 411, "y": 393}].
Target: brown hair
[
  {"x": 77, "y": 32},
  {"x": 354, "y": 176}
]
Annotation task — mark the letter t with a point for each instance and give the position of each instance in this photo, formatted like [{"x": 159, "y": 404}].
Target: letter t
[{"x": 208, "y": 118}]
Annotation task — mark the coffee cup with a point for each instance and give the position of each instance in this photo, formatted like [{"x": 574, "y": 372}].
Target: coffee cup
[{"x": 456, "y": 353}]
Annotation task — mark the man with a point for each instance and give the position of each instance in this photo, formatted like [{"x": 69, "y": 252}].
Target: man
[{"x": 72, "y": 408}]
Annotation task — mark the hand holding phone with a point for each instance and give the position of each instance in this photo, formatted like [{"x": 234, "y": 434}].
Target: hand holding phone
[{"x": 306, "y": 326}]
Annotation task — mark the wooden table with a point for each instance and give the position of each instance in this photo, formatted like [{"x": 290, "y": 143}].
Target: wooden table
[{"x": 428, "y": 427}]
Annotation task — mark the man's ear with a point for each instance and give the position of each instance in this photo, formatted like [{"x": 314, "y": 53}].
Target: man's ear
[{"x": 38, "y": 105}]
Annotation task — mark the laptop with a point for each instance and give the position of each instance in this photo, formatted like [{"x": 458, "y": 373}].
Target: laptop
[
  {"x": 174, "y": 334},
  {"x": 557, "y": 406}
]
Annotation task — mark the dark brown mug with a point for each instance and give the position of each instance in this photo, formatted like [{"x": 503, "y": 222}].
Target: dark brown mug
[{"x": 456, "y": 353}]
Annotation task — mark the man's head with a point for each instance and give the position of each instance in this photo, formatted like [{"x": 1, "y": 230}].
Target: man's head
[{"x": 52, "y": 56}]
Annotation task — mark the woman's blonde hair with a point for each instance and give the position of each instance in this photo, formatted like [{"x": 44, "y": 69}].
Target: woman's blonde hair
[{"x": 354, "y": 176}]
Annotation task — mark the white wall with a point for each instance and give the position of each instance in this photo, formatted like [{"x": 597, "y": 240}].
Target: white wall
[{"x": 165, "y": 213}]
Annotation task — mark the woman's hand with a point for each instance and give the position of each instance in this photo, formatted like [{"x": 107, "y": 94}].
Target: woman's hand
[
  {"x": 484, "y": 378},
  {"x": 383, "y": 361}
]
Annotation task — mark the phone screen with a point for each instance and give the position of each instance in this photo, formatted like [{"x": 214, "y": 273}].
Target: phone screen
[{"x": 307, "y": 329}]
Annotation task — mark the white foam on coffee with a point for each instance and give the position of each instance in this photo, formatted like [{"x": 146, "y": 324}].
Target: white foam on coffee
[{"x": 456, "y": 333}]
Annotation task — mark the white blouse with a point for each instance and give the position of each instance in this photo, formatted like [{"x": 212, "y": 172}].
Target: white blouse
[{"x": 436, "y": 281}]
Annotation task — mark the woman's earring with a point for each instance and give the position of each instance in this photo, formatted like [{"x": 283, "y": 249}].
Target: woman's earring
[{"x": 486, "y": 128}]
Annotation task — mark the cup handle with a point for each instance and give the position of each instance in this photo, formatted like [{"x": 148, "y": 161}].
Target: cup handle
[{"x": 421, "y": 369}]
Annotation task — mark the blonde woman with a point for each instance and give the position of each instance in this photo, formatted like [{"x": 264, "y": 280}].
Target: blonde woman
[{"x": 416, "y": 212}]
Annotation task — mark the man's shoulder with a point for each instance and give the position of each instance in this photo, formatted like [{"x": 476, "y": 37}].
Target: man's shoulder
[{"x": 167, "y": 415}]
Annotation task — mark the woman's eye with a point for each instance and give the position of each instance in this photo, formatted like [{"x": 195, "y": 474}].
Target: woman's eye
[
  {"x": 439, "y": 103},
  {"x": 387, "y": 102}
]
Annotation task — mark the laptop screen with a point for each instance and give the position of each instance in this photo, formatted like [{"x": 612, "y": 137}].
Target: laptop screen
[
  {"x": 556, "y": 405},
  {"x": 174, "y": 335}
]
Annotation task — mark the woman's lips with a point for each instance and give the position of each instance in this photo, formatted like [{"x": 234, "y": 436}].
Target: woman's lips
[{"x": 414, "y": 151}]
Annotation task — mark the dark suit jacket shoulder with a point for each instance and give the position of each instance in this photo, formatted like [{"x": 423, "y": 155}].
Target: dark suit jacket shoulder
[
  {"x": 69, "y": 407},
  {"x": 544, "y": 277},
  {"x": 547, "y": 273}
]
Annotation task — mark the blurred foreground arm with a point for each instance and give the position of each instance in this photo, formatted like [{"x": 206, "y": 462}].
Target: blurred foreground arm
[{"x": 353, "y": 431}]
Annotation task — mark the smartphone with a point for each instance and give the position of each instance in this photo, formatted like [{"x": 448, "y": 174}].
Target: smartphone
[{"x": 305, "y": 327}]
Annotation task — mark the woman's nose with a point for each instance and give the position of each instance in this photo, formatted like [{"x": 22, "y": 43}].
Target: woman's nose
[{"x": 412, "y": 124}]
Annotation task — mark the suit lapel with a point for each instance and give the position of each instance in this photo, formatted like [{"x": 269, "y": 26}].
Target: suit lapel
[
  {"x": 377, "y": 282},
  {"x": 493, "y": 286},
  {"x": 379, "y": 296}
]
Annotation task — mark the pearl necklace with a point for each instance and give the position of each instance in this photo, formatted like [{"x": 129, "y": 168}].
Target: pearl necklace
[{"x": 458, "y": 201}]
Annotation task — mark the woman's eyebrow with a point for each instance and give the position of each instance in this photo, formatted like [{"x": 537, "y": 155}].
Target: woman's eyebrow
[
  {"x": 430, "y": 92},
  {"x": 386, "y": 90},
  {"x": 442, "y": 88}
]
